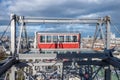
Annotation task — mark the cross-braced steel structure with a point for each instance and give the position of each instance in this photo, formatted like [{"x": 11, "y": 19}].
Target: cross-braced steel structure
[{"x": 85, "y": 66}]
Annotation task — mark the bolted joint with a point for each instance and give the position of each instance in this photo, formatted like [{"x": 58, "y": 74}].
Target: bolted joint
[
  {"x": 21, "y": 19},
  {"x": 13, "y": 17},
  {"x": 100, "y": 21},
  {"x": 107, "y": 18}
]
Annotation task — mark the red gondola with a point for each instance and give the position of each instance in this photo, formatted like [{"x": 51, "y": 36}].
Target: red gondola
[{"x": 56, "y": 40}]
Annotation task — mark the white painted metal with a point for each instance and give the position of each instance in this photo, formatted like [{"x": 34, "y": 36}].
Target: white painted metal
[
  {"x": 37, "y": 56},
  {"x": 46, "y": 64},
  {"x": 49, "y": 56},
  {"x": 19, "y": 38},
  {"x": 108, "y": 34},
  {"x": 102, "y": 33},
  {"x": 83, "y": 21},
  {"x": 79, "y": 21},
  {"x": 35, "y": 40},
  {"x": 95, "y": 35},
  {"x": 13, "y": 33}
]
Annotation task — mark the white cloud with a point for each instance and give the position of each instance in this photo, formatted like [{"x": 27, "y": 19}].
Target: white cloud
[
  {"x": 53, "y": 8},
  {"x": 61, "y": 8},
  {"x": 90, "y": 1},
  {"x": 19, "y": 6},
  {"x": 94, "y": 15}
]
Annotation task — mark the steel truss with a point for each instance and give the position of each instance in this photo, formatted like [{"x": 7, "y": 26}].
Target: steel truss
[
  {"x": 84, "y": 67},
  {"x": 80, "y": 65}
]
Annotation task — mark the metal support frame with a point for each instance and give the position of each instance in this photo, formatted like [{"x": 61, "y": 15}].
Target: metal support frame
[
  {"x": 95, "y": 35},
  {"x": 83, "y": 70},
  {"x": 25, "y": 36},
  {"x": 21, "y": 30},
  {"x": 102, "y": 34},
  {"x": 99, "y": 21},
  {"x": 99, "y": 31},
  {"x": 107, "y": 73},
  {"x": 108, "y": 34},
  {"x": 35, "y": 42},
  {"x": 96, "y": 72},
  {"x": 61, "y": 20},
  {"x": 104, "y": 58},
  {"x": 105, "y": 20},
  {"x": 13, "y": 33}
]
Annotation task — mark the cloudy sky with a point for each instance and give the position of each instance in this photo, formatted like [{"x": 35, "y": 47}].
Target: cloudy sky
[{"x": 61, "y": 9}]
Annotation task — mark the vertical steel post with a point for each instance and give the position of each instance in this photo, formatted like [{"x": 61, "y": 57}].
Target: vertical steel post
[
  {"x": 13, "y": 33},
  {"x": 95, "y": 35},
  {"x": 62, "y": 71},
  {"x": 107, "y": 73},
  {"x": 108, "y": 36},
  {"x": 35, "y": 40},
  {"x": 19, "y": 40},
  {"x": 102, "y": 34},
  {"x": 25, "y": 35}
]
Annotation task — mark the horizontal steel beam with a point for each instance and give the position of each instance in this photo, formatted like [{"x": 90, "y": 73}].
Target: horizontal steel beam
[
  {"x": 46, "y": 63},
  {"x": 60, "y": 20},
  {"x": 87, "y": 62},
  {"x": 37, "y": 56},
  {"x": 82, "y": 55},
  {"x": 63, "y": 56}
]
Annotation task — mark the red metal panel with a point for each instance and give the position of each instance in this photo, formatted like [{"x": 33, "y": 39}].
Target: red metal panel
[
  {"x": 61, "y": 45},
  {"x": 69, "y": 45},
  {"x": 46, "y": 46}
]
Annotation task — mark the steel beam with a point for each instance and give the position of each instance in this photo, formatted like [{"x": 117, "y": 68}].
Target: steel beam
[
  {"x": 63, "y": 56},
  {"x": 102, "y": 33},
  {"x": 82, "y": 55},
  {"x": 108, "y": 34},
  {"x": 37, "y": 56},
  {"x": 35, "y": 41},
  {"x": 95, "y": 36},
  {"x": 20, "y": 35},
  {"x": 86, "y": 62},
  {"x": 13, "y": 33},
  {"x": 62, "y": 20},
  {"x": 107, "y": 74}
]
